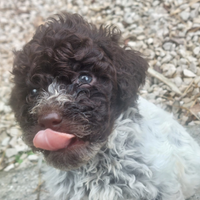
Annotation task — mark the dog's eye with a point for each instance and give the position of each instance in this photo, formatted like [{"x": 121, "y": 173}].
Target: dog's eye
[
  {"x": 34, "y": 92},
  {"x": 85, "y": 79},
  {"x": 32, "y": 95}
]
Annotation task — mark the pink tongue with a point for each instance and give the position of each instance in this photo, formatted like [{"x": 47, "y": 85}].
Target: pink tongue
[{"x": 52, "y": 140}]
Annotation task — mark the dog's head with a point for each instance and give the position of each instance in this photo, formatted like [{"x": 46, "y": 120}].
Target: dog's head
[{"x": 72, "y": 81}]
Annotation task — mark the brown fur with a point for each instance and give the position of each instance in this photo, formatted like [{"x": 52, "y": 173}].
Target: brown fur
[{"x": 62, "y": 49}]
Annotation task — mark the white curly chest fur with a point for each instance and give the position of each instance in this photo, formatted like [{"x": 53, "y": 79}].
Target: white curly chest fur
[{"x": 152, "y": 158}]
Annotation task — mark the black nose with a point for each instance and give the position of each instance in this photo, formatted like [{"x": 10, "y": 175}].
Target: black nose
[{"x": 51, "y": 120}]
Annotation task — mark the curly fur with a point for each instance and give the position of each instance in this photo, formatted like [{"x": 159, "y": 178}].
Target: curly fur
[
  {"x": 143, "y": 159},
  {"x": 129, "y": 148}
]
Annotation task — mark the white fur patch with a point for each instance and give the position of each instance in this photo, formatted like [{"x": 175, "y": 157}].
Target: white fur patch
[
  {"x": 152, "y": 158},
  {"x": 55, "y": 96}
]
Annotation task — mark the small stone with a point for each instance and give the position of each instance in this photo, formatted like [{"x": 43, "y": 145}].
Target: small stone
[
  {"x": 150, "y": 41},
  {"x": 196, "y": 51},
  {"x": 13, "y": 131},
  {"x": 184, "y": 67},
  {"x": 195, "y": 91},
  {"x": 21, "y": 148},
  {"x": 120, "y": 26},
  {"x": 136, "y": 45},
  {"x": 183, "y": 6},
  {"x": 5, "y": 141},
  {"x": 191, "y": 123},
  {"x": 194, "y": 13},
  {"x": 9, "y": 167},
  {"x": 141, "y": 37},
  {"x": 13, "y": 141},
  {"x": 7, "y": 109},
  {"x": 196, "y": 20},
  {"x": 3, "y": 135},
  {"x": 160, "y": 52},
  {"x": 165, "y": 31},
  {"x": 2, "y": 107},
  {"x": 10, "y": 152},
  {"x": 156, "y": 3},
  {"x": 184, "y": 118},
  {"x": 138, "y": 30},
  {"x": 132, "y": 44},
  {"x": 180, "y": 26},
  {"x": 197, "y": 80},
  {"x": 166, "y": 59},
  {"x": 149, "y": 53},
  {"x": 182, "y": 52},
  {"x": 193, "y": 67},
  {"x": 129, "y": 17},
  {"x": 33, "y": 157},
  {"x": 198, "y": 71},
  {"x": 182, "y": 61},
  {"x": 184, "y": 15},
  {"x": 187, "y": 81},
  {"x": 168, "y": 70},
  {"x": 23, "y": 156},
  {"x": 84, "y": 10},
  {"x": 168, "y": 46},
  {"x": 188, "y": 73},
  {"x": 178, "y": 81},
  {"x": 195, "y": 38}
]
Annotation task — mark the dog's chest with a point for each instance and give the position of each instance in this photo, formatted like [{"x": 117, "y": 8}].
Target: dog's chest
[
  {"x": 150, "y": 158},
  {"x": 111, "y": 179},
  {"x": 116, "y": 173}
]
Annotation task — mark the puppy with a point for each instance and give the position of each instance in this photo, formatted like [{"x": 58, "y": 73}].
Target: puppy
[{"x": 76, "y": 100}]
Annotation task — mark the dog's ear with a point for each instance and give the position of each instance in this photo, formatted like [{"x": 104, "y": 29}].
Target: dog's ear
[
  {"x": 131, "y": 70},
  {"x": 129, "y": 66}
]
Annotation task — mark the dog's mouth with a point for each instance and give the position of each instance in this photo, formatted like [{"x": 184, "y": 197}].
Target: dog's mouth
[{"x": 51, "y": 140}]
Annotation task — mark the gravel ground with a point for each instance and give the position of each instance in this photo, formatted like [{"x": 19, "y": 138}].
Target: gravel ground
[{"x": 167, "y": 33}]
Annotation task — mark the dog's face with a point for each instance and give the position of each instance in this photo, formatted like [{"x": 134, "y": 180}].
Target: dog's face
[{"x": 72, "y": 81}]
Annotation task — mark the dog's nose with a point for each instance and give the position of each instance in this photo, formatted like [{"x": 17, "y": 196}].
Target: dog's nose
[{"x": 51, "y": 120}]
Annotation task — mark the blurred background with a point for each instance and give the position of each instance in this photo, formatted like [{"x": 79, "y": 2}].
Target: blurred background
[{"x": 167, "y": 32}]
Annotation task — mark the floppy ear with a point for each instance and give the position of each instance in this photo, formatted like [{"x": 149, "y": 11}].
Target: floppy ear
[{"x": 131, "y": 70}]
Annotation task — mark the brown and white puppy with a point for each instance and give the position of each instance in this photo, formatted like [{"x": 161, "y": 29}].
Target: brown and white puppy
[
  {"x": 75, "y": 98},
  {"x": 76, "y": 79}
]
